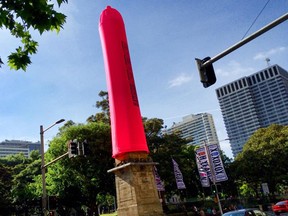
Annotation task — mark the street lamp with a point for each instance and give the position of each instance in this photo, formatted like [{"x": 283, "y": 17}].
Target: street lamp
[{"x": 44, "y": 193}]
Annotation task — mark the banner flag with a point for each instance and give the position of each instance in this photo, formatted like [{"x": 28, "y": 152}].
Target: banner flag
[
  {"x": 159, "y": 183},
  {"x": 203, "y": 167},
  {"x": 216, "y": 163},
  {"x": 202, "y": 161},
  {"x": 204, "y": 179},
  {"x": 178, "y": 176}
]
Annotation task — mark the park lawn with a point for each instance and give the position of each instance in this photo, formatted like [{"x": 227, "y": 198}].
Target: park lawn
[{"x": 111, "y": 214}]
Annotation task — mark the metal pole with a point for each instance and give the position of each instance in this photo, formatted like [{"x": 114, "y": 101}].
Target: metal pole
[
  {"x": 213, "y": 176},
  {"x": 56, "y": 159},
  {"x": 247, "y": 39},
  {"x": 43, "y": 170},
  {"x": 43, "y": 167}
]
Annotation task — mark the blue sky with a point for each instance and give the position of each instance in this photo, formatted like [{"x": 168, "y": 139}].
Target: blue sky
[{"x": 164, "y": 37}]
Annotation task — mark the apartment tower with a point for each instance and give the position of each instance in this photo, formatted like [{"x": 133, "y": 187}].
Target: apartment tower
[{"x": 198, "y": 128}]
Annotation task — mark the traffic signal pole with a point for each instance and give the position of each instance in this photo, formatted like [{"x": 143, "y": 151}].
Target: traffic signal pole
[
  {"x": 56, "y": 159},
  {"x": 246, "y": 40},
  {"x": 43, "y": 170}
]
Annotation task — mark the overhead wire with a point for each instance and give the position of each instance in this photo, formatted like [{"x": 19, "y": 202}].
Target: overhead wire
[{"x": 255, "y": 19}]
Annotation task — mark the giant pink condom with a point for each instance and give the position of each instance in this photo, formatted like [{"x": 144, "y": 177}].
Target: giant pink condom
[{"x": 127, "y": 129}]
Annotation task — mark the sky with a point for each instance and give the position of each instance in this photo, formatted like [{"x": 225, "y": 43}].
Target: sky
[{"x": 164, "y": 38}]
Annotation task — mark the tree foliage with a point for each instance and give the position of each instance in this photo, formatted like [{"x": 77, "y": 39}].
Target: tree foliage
[
  {"x": 25, "y": 177},
  {"x": 19, "y": 180},
  {"x": 5, "y": 187},
  {"x": 22, "y": 16},
  {"x": 79, "y": 181},
  {"x": 264, "y": 158},
  {"x": 103, "y": 104},
  {"x": 83, "y": 181},
  {"x": 163, "y": 147}
]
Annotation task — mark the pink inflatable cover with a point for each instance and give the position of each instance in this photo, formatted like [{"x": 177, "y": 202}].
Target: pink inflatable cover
[{"x": 126, "y": 123}]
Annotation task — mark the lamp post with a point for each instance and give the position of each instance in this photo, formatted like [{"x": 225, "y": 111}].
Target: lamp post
[{"x": 44, "y": 193}]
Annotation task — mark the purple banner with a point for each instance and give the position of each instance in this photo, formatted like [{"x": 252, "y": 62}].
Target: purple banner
[
  {"x": 178, "y": 176},
  {"x": 159, "y": 183}
]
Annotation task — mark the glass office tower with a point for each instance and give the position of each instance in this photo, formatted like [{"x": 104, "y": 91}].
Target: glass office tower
[{"x": 254, "y": 102}]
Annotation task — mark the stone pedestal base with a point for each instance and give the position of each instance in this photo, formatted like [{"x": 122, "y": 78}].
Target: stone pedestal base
[{"x": 136, "y": 190}]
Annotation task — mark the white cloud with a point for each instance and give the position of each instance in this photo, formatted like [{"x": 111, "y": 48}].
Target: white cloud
[
  {"x": 234, "y": 68},
  {"x": 269, "y": 53},
  {"x": 180, "y": 80}
]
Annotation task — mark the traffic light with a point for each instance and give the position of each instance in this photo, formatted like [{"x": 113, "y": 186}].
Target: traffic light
[
  {"x": 72, "y": 149},
  {"x": 86, "y": 148},
  {"x": 207, "y": 74},
  {"x": 78, "y": 148}
]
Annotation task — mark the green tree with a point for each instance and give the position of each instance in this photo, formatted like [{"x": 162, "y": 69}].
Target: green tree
[
  {"x": 264, "y": 158},
  {"x": 163, "y": 147},
  {"x": 22, "y": 16},
  {"x": 5, "y": 187},
  {"x": 79, "y": 181},
  {"x": 24, "y": 173},
  {"x": 25, "y": 176},
  {"x": 104, "y": 115}
]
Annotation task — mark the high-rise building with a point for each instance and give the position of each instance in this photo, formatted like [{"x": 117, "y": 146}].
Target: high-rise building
[
  {"x": 198, "y": 128},
  {"x": 254, "y": 102},
  {"x": 10, "y": 147}
]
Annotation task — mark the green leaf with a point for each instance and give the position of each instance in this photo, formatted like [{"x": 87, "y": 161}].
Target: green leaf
[
  {"x": 32, "y": 47},
  {"x": 19, "y": 60},
  {"x": 19, "y": 16}
]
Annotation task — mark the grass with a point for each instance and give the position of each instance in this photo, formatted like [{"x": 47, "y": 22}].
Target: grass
[{"x": 111, "y": 214}]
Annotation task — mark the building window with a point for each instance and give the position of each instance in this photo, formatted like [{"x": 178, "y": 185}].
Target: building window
[
  {"x": 240, "y": 83},
  {"x": 244, "y": 82},
  {"x": 262, "y": 76},
  {"x": 270, "y": 72},
  {"x": 257, "y": 77},
  {"x": 218, "y": 93},
  {"x": 266, "y": 74},
  {"x": 275, "y": 70},
  {"x": 249, "y": 80},
  {"x": 221, "y": 90}
]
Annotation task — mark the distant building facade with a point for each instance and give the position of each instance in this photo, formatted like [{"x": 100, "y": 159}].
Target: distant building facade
[
  {"x": 198, "y": 128},
  {"x": 10, "y": 147},
  {"x": 254, "y": 102}
]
